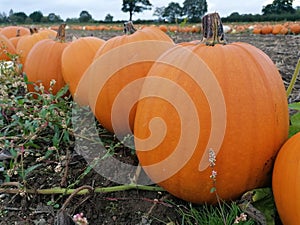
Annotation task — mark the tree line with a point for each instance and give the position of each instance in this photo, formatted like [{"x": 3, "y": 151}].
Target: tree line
[{"x": 191, "y": 11}]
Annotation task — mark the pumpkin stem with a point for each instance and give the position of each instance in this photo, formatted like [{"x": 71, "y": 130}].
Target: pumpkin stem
[
  {"x": 18, "y": 34},
  {"x": 33, "y": 30},
  {"x": 61, "y": 33},
  {"x": 213, "y": 32},
  {"x": 129, "y": 28}
]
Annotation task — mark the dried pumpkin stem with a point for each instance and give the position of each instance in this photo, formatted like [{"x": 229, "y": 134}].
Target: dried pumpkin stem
[
  {"x": 129, "y": 28},
  {"x": 33, "y": 30},
  {"x": 61, "y": 33},
  {"x": 18, "y": 33},
  {"x": 213, "y": 32}
]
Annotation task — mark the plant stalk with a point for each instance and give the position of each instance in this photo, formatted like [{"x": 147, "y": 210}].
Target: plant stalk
[
  {"x": 66, "y": 191},
  {"x": 293, "y": 80}
]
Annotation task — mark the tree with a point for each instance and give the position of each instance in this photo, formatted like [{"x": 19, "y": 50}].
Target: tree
[
  {"x": 19, "y": 17},
  {"x": 194, "y": 9},
  {"x": 3, "y": 17},
  {"x": 52, "y": 18},
  {"x": 279, "y": 7},
  {"x": 108, "y": 18},
  {"x": 36, "y": 16},
  {"x": 159, "y": 12},
  {"x": 173, "y": 11},
  {"x": 135, "y": 6},
  {"x": 84, "y": 16}
]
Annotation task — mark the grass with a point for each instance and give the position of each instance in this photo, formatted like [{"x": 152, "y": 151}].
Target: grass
[{"x": 213, "y": 215}]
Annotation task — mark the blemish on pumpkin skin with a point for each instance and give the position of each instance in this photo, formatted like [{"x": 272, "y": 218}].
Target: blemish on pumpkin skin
[{"x": 268, "y": 165}]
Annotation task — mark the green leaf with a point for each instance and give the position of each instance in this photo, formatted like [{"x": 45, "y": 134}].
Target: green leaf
[
  {"x": 293, "y": 129},
  {"x": 295, "y": 124},
  {"x": 295, "y": 119},
  {"x": 31, "y": 144},
  {"x": 295, "y": 106},
  {"x": 263, "y": 200},
  {"x": 62, "y": 91},
  {"x": 32, "y": 168}
]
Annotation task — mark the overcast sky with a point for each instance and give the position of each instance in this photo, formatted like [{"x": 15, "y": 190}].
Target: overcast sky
[{"x": 100, "y": 8}]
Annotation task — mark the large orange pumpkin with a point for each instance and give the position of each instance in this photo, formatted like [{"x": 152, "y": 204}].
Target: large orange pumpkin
[
  {"x": 202, "y": 103},
  {"x": 286, "y": 183},
  {"x": 43, "y": 63},
  {"x": 120, "y": 62},
  {"x": 81, "y": 53}
]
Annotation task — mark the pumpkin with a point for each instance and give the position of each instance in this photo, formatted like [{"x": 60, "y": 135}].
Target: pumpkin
[
  {"x": 80, "y": 52},
  {"x": 47, "y": 33},
  {"x": 163, "y": 28},
  {"x": 266, "y": 29},
  {"x": 13, "y": 31},
  {"x": 43, "y": 62},
  {"x": 277, "y": 29},
  {"x": 284, "y": 31},
  {"x": 295, "y": 28},
  {"x": 285, "y": 182},
  {"x": 6, "y": 48},
  {"x": 14, "y": 40},
  {"x": 202, "y": 102},
  {"x": 120, "y": 62},
  {"x": 27, "y": 42},
  {"x": 257, "y": 30}
]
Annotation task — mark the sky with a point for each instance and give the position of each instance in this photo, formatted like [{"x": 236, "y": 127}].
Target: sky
[{"x": 100, "y": 8}]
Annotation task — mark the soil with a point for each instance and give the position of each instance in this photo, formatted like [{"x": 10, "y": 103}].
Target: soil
[{"x": 132, "y": 207}]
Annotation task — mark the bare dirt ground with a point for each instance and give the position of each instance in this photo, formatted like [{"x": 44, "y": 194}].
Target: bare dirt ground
[{"x": 132, "y": 207}]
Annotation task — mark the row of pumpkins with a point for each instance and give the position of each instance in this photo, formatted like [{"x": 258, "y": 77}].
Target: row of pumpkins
[
  {"x": 258, "y": 28},
  {"x": 181, "y": 102},
  {"x": 286, "y": 28}
]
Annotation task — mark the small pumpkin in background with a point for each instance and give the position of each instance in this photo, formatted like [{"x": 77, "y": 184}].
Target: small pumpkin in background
[
  {"x": 211, "y": 118},
  {"x": 76, "y": 58},
  {"x": 277, "y": 29},
  {"x": 286, "y": 183},
  {"x": 43, "y": 62},
  {"x": 295, "y": 28},
  {"x": 267, "y": 29},
  {"x": 118, "y": 64}
]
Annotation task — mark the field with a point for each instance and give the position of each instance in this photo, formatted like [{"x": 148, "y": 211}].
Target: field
[{"x": 133, "y": 206}]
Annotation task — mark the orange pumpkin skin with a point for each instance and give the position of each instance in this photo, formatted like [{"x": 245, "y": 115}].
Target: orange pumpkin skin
[
  {"x": 286, "y": 183},
  {"x": 145, "y": 33},
  {"x": 15, "y": 40},
  {"x": 43, "y": 64},
  {"x": 295, "y": 28},
  {"x": 81, "y": 53},
  {"x": 267, "y": 29},
  {"x": 247, "y": 129},
  {"x": 6, "y": 46},
  {"x": 26, "y": 42},
  {"x": 277, "y": 29},
  {"x": 145, "y": 45},
  {"x": 11, "y": 31}
]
